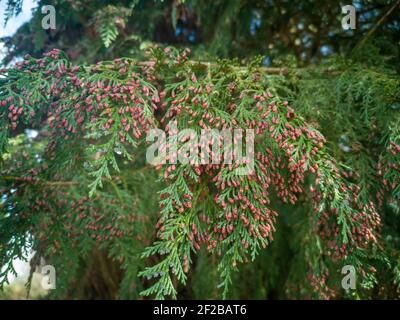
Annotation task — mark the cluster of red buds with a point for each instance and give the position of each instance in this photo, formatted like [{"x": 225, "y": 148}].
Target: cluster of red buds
[{"x": 121, "y": 101}]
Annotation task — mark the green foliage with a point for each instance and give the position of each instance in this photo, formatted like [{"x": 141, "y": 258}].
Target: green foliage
[{"x": 108, "y": 20}]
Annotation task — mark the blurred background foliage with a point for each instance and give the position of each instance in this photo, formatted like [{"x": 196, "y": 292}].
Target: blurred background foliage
[{"x": 344, "y": 82}]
